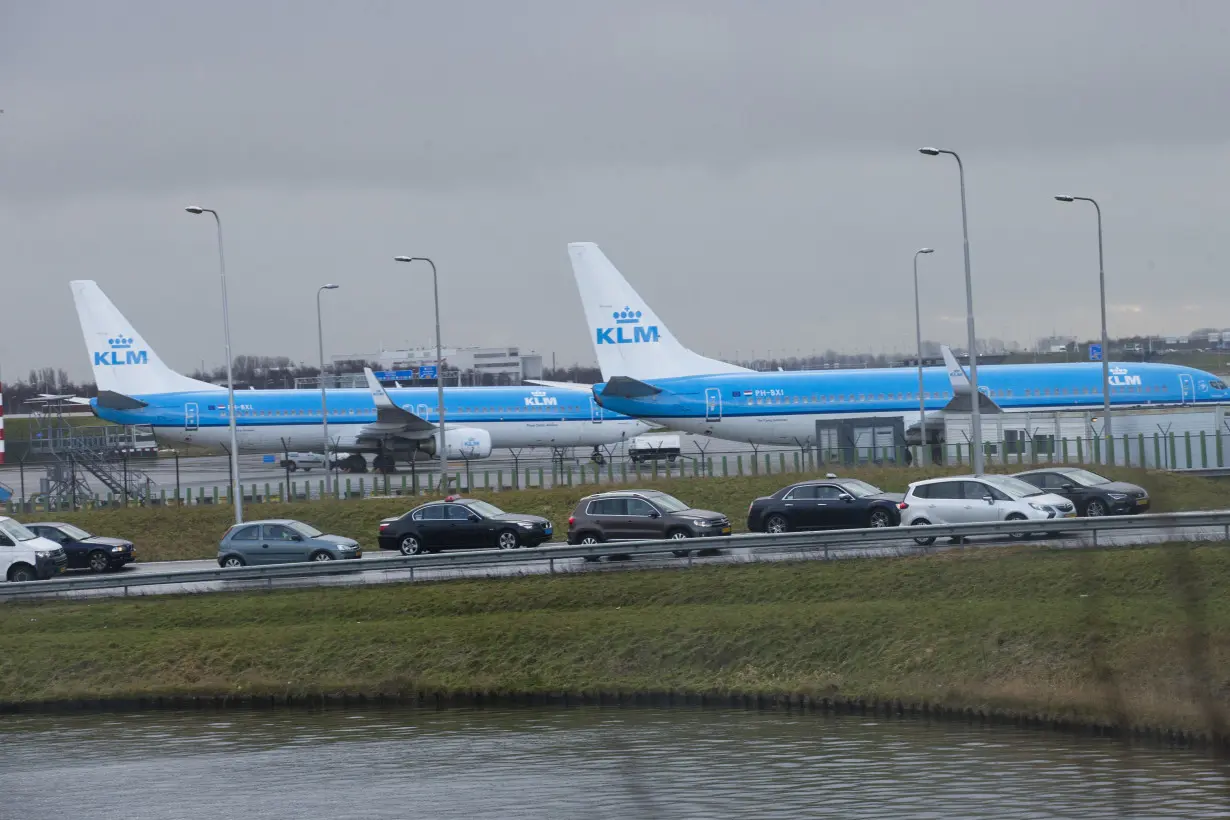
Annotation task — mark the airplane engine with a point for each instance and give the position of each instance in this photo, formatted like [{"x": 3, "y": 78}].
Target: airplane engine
[{"x": 462, "y": 444}]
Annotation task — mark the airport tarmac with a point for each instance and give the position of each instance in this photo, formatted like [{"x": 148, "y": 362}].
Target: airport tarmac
[
  {"x": 204, "y": 473},
  {"x": 539, "y": 566}
]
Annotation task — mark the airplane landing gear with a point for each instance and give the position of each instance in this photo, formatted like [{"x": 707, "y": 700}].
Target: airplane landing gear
[
  {"x": 353, "y": 463},
  {"x": 384, "y": 463},
  {"x": 596, "y": 456}
]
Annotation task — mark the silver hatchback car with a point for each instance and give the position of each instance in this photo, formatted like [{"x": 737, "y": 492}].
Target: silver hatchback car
[{"x": 282, "y": 541}]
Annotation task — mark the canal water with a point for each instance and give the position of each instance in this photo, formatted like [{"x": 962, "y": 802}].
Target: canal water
[{"x": 606, "y": 764}]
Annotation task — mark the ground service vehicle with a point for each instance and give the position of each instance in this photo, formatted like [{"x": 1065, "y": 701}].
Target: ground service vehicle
[
  {"x": 980, "y": 499},
  {"x": 97, "y": 553},
  {"x": 302, "y": 461},
  {"x": 282, "y": 541},
  {"x": 25, "y": 556},
  {"x": 833, "y": 503},
  {"x": 652, "y": 448},
  {"x": 1093, "y": 495},
  {"x": 639, "y": 515},
  {"x": 462, "y": 523}
]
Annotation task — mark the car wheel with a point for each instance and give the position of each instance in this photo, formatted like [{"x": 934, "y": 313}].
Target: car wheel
[
  {"x": 292, "y": 466},
  {"x": 880, "y": 518},
  {"x": 508, "y": 540},
  {"x": 922, "y": 541},
  {"x": 1095, "y": 509},
  {"x": 98, "y": 561},
  {"x": 232, "y": 561},
  {"x": 22, "y": 572},
  {"x": 1020, "y": 536},
  {"x": 777, "y": 524},
  {"x": 411, "y": 545},
  {"x": 321, "y": 555}
]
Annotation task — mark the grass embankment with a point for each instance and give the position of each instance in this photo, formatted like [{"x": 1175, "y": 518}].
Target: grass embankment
[
  {"x": 164, "y": 534},
  {"x": 1006, "y": 630}
]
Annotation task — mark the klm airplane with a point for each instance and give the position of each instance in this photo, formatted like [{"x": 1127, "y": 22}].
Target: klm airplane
[
  {"x": 650, "y": 375},
  {"x": 135, "y": 387}
]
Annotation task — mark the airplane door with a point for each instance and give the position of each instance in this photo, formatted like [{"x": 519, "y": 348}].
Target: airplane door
[
  {"x": 595, "y": 411},
  {"x": 192, "y": 416},
  {"x": 1187, "y": 388},
  {"x": 713, "y": 404}
]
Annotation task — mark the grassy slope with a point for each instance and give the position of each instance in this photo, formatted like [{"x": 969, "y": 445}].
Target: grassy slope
[
  {"x": 170, "y": 533},
  {"x": 1008, "y": 629}
]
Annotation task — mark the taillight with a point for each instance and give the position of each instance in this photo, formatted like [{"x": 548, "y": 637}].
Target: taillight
[
  {"x": 384, "y": 527},
  {"x": 901, "y": 505},
  {"x": 572, "y": 519}
]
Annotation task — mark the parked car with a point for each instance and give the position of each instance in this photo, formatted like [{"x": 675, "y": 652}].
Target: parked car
[
  {"x": 833, "y": 503},
  {"x": 282, "y": 541},
  {"x": 639, "y": 515},
  {"x": 1093, "y": 495},
  {"x": 979, "y": 499},
  {"x": 302, "y": 461},
  {"x": 465, "y": 523},
  {"x": 25, "y": 556},
  {"x": 654, "y": 447},
  {"x": 97, "y": 553}
]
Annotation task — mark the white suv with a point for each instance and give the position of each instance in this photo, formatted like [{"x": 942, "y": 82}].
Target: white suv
[{"x": 979, "y": 499}]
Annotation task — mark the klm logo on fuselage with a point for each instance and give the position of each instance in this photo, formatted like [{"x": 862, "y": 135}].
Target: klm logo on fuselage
[
  {"x": 539, "y": 398},
  {"x": 1119, "y": 378},
  {"x": 628, "y": 329},
  {"x": 121, "y": 353}
]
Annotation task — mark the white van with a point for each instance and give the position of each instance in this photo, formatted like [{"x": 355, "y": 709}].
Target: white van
[
  {"x": 979, "y": 499},
  {"x": 25, "y": 556}
]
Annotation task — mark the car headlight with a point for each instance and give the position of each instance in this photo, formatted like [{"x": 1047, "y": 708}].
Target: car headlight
[
  {"x": 525, "y": 525},
  {"x": 701, "y": 522},
  {"x": 1041, "y": 507},
  {"x": 44, "y": 553},
  {"x": 117, "y": 549},
  {"x": 1118, "y": 496}
]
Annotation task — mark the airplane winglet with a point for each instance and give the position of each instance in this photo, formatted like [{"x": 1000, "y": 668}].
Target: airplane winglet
[
  {"x": 956, "y": 373},
  {"x": 379, "y": 396}
]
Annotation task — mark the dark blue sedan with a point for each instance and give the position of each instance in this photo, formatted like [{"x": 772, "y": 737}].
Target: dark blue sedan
[{"x": 97, "y": 553}]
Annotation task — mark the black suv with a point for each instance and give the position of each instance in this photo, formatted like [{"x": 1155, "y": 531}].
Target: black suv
[
  {"x": 1093, "y": 495},
  {"x": 841, "y": 503},
  {"x": 465, "y": 523},
  {"x": 641, "y": 515}
]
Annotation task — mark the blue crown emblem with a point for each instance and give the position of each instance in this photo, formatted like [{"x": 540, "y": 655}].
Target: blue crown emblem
[
  {"x": 627, "y": 316},
  {"x": 120, "y": 342}
]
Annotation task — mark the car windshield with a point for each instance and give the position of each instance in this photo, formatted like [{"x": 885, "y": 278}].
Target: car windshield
[
  {"x": 306, "y": 530},
  {"x": 1085, "y": 478},
  {"x": 15, "y": 531},
  {"x": 75, "y": 533},
  {"x": 859, "y": 489},
  {"x": 668, "y": 502},
  {"x": 484, "y": 509},
  {"x": 1012, "y": 486}
]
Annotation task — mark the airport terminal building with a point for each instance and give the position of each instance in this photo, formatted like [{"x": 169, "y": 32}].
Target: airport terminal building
[{"x": 505, "y": 365}]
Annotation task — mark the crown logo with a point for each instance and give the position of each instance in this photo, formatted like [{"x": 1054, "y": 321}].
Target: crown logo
[
  {"x": 120, "y": 342},
  {"x": 538, "y": 392},
  {"x": 627, "y": 316}
]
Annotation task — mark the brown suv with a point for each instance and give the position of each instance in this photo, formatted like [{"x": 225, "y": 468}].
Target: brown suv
[{"x": 641, "y": 515}]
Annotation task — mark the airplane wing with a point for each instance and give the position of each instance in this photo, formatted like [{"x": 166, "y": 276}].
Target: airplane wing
[
  {"x": 584, "y": 388},
  {"x": 392, "y": 420},
  {"x": 961, "y": 388}
]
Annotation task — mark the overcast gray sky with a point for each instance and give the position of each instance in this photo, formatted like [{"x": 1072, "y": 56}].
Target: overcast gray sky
[{"x": 752, "y": 168}]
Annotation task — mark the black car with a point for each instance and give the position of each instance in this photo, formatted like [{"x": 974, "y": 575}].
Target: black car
[
  {"x": 1092, "y": 494},
  {"x": 832, "y": 503},
  {"x": 461, "y": 523},
  {"x": 94, "y": 552}
]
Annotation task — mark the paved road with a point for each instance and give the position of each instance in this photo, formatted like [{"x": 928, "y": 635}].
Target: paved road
[{"x": 539, "y": 566}]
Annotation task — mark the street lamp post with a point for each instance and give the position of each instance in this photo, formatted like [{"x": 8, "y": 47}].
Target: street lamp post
[
  {"x": 922, "y": 404},
  {"x": 236, "y": 494},
  {"x": 975, "y": 398},
  {"x": 324, "y": 402},
  {"x": 1106, "y": 425},
  {"x": 441, "y": 451}
]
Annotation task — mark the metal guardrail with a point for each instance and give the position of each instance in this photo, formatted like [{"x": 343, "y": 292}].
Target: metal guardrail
[{"x": 826, "y": 541}]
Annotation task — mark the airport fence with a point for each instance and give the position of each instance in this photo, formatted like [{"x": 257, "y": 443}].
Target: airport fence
[{"x": 1190, "y": 451}]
